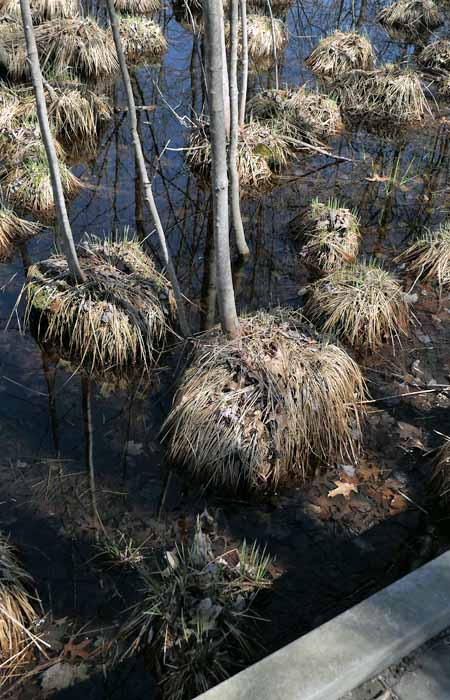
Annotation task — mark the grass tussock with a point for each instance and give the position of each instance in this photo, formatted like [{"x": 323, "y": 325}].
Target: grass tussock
[
  {"x": 262, "y": 148},
  {"x": 41, "y": 10},
  {"x": 197, "y": 610},
  {"x": 76, "y": 116},
  {"x": 260, "y": 39},
  {"x": 436, "y": 56},
  {"x": 142, "y": 38},
  {"x": 137, "y": 7},
  {"x": 388, "y": 95},
  {"x": 13, "y": 229},
  {"x": 330, "y": 235},
  {"x": 266, "y": 407},
  {"x": 441, "y": 473},
  {"x": 429, "y": 256},
  {"x": 361, "y": 304},
  {"x": 410, "y": 19},
  {"x": 278, "y": 6},
  {"x": 340, "y": 53},
  {"x": 16, "y": 612},
  {"x": 27, "y": 183},
  {"x": 77, "y": 43},
  {"x": 117, "y": 319},
  {"x": 310, "y": 112}
]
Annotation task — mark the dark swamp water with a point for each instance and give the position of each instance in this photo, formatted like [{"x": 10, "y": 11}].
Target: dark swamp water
[{"x": 69, "y": 448}]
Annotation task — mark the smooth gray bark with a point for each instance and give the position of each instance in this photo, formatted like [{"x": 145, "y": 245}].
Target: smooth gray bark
[
  {"x": 225, "y": 85},
  {"x": 140, "y": 160},
  {"x": 47, "y": 138},
  {"x": 244, "y": 79},
  {"x": 213, "y": 17},
  {"x": 234, "y": 134}
]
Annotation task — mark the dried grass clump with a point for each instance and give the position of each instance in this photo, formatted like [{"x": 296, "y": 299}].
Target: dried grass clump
[
  {"x": 266, "y": 407},
  {"x": 361, "y": 304},
  {"x": 117, "y": 319},
  {"x": 339, "y": 53},
  {"x": 331, "y": 235},
  {"x": 196, "y": 613},
  {"x": 77, "y": 43},
  {"x": 142, "y": 38},
  {"x": 16, "y": 612},
  {"x": 137, "y": 7},
  {"x": 13, "y": 229},
  {"x": 410, "y": 19},
  {"x": 436, "y": 56},
  {"x": 27, "y": 182},
  {"x": 429, "y": 256},
  {"x": 441, "y": 472},
  {"x": 307, "y": 110},
  {"x": 260, "y": 39},
  {"x": 262, "y": 147},
  {"x": 388, "y": 95},
  {"x": 41, "y": 10},
  {"x": 278, "y": 6},
  {"x": 76, "y": 115}
]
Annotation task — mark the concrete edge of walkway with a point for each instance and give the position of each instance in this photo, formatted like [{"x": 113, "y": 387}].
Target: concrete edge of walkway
[{"x": 353, "y": 647}]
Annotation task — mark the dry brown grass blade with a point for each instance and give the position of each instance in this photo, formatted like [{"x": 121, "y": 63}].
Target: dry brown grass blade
[
  {"x": 137, "y": 7},
  {"x": 142, "y": 38},
  {"x": 441, "y": 473},
  {"x": 361, "y": 304},
  {"x": 410, "y": 19},
  {"x": 13, "y": 229},
  {"x": 436, "y": 56},
  {"x": 41, "y": 10},
  {"x": 266, "y": 407}
]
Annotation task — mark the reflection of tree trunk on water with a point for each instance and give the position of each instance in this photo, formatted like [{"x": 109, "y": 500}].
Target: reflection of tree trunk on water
[
  {"x": 209, "y": 289},
  {"x": 362, "y": 14},
  {"x": 50, "y": 381},
  {"x": 386, "y": 214},
  {"x": 86, "y": 404}
]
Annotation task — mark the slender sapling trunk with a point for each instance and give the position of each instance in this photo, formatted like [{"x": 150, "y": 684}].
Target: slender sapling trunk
[
  {"x": 213, "y": 17},
  {"x": 233, "y": 150},
  {"x": 140, "y": 160},
  {"x": 47, "y": 138},
  {"x": 244, "y": 79},
  {"x": 225, "y": 84}
]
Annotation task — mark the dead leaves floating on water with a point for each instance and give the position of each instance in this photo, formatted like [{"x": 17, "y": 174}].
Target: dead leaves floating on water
[{"x": 343, "y": 488}]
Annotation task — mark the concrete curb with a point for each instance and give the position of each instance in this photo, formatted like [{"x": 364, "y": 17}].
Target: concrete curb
[{"x": 343, "y": 653}]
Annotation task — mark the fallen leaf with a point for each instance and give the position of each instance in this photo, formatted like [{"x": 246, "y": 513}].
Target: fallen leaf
[
  {"x": 368, "y": 472},
  {"x": 399, "y": 503},
  {"x": 343, "y": 489},
  {"x": 411, "y": 434},
  {"x": 73, "y": 650},
  {"x": 378, "y": 178}
]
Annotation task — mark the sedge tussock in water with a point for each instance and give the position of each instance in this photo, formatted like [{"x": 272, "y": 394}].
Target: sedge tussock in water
[
  {"x": 142, "y": 38},
  {"x": 27, "y": 183},
  {"x": 429, "y": 256},
  {"x": 361, "y": 304},
  {"x": 198, "y": 612},
  {"x": 16, "y": 612},
  {"x": 260, "y": 39},
  {"x": 441, "y": 473},
  {"x": 137, "y": 7},
  {"x": 41, "y": 10},
  {"x": 13, "y": 229},
  {"x": 76, "y": 116},
  {"x": 436, "y": 56},
  {"x": 308, "y": 110},
  {"x": 261, "y": 147},
  {"x": 117, "y": 319},
  {"x": 118, "y": 550},
  {"x": 388, "y": 95},
  {"x": 278, "y": 6},
  {"x": 266, "y": 407},
  {"x": 410, "y": 19},
  {"x": 339, "y": 53},
  {"x": 331, "y": 235},
  {"x": 77, "y": 43}
]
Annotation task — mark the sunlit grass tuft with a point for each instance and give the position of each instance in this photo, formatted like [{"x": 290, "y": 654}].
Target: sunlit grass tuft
[
  {"x": 429, "y": 256},
  {"x": 339, "y": 53},
  {"x": 13, "y": 229},
  {"x": 41, "y": 10},
  {"x": 142, "y": 38},
  {"x": 265, "y": 408},
  {"x": 436, "y": 56},
  {"x": 137, "y": 7},
  {"x": 361, "y": 304},
  {"x": 410, "y": 20}
]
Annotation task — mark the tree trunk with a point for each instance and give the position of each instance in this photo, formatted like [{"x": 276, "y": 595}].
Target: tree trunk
[
  {"x": 233, "y": 150},
  {"x": 140, "y": 159},
  {"x": 244, "y": 82},
  {"x": 213, "y": 18},
  {"x": 55, "y": 176},
  {"x": 226, "y": 93}
]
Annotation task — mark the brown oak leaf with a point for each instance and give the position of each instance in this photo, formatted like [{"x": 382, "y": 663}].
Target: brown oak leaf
[{"x": 342, "y": 489}]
